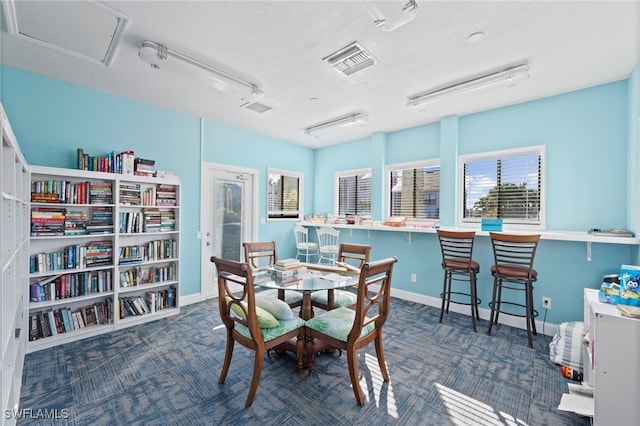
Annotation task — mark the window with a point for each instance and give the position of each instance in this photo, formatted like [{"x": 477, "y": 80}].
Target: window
[
  {"x": 504, "y": 184},
  {"x": 284, "y": 194},
  {"x": 353, "y": 192},
  {"x": 413, "y": 190}
]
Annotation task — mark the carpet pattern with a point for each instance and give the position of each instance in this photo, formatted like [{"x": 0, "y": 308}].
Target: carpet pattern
[{"x": 166, "y": 373}]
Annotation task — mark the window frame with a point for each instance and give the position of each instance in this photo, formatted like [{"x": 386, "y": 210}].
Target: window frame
[
  {"x": 433, "y": 162},
  {"x": 299, "y": 214},
  {"x": 495, "y": 155},
  {"x": 336, "y": 187}
]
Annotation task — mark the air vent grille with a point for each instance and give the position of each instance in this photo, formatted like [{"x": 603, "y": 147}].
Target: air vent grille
[
  {"x": 257, "y": 107},
  {"x": 351, "y": 59}
]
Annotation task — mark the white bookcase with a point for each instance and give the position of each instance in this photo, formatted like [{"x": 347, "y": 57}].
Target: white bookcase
[
  {"x": 14, "y": 223},
  {"x": 122, "y": 269},
  {"x": 611, "y": 366}
]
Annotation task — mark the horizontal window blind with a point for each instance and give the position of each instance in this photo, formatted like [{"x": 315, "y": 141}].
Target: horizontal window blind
[
  {"x": 507, "y": 188},
  {"x": 415, "y": 192},
  {"x": 354, "y": 194},
  {"x": 282, "y": 197}
]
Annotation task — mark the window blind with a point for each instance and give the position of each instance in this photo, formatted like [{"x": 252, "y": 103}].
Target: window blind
[
  {"x": 354, "y": 194},
  {"x": 507, "y": 187},
  {"x": 282, "y": 197},
  {"x": 415, "y": 192}
]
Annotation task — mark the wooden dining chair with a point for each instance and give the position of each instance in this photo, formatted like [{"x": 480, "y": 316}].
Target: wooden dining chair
[
  {"x": 513, "y": 271},
  {"x": 264, "y": 254},
  {"x": 355, "y": 255},
  {"x": 244, "y": 324},
  {"x": 349, "y": 330}
]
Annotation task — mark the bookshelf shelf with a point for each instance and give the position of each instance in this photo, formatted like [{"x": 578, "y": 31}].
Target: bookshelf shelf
[
  {"x": 150, "y": 250},
  {"x": 14, "y": 226}
]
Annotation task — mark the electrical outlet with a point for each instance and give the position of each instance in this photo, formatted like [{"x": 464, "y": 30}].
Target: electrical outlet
[
  {"x": 546, "y": 302},
  {"x": 414, "y": 278}
]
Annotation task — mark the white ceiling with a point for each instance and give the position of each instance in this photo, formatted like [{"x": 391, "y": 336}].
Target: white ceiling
[{"x": 568, "y": 45}]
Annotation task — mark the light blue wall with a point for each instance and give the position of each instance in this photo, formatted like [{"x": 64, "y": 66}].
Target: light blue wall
[
  {"x": 587, "y": 133},
  {"x": 232, "y": 146},
  {"x": 586, "y": 137},
  {"x": 51, "y": 119}
]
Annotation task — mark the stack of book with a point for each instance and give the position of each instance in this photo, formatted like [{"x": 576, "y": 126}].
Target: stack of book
[
  {"x": 75, "y": 223},
  {"x": 144, "y": 167},
  {"x": 167, "y": 220},
  {"x": 101, "y": 221},
  {"x": 286, "y": 269},
  {"x": 130, "y": 194},
  {"x": 166, "y": 195},
  {"x": 152, "y": 220},
  {"x": 47, "y": 221},
  {"x": 100, "y": 193}
]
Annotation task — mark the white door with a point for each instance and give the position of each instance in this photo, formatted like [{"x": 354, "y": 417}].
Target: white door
[{"x": 229, "y": 217}]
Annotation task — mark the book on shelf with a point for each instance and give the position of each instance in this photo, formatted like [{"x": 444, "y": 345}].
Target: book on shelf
[{"x": 89, "y": 316}]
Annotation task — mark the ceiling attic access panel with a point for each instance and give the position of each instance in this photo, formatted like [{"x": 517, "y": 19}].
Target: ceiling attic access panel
[{"x": 85, "y": 29}]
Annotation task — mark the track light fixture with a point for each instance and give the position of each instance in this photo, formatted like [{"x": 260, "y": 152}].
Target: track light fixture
[
  {"x": 389, "y": 15},
  {"x": 507, "y": 76},
  {"x": 161, "y": 57},
  {"x": 348, "y": 120}
]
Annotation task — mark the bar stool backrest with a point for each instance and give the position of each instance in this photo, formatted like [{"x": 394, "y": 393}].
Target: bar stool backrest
[
  {"x": 457, "y": 248},
  {"x": 514, "y": 255}
]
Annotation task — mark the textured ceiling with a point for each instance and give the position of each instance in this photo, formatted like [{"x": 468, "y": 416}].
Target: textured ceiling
[{"x": 568, "y": 45}]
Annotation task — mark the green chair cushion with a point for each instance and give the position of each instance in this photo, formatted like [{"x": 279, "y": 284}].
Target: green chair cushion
[
  {"x": 340, "y": 298},
  {"x": 276, "y": 307},
  {"x": 283, "y": 327},
  {"x": 337, "y": 323},
  {"x": 265, "y": 319},
  {"x": 290, "y": 296}
]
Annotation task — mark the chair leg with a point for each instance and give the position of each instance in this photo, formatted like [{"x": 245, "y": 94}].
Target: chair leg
[
  {"x": 444, "y": 294},
  {"x": 474, "y": 300},
  {"x": 529, "y": 313},
  {"x": 498, "y": 300},
  {"x": 380, "y": 355},
  {"x": 493, "y": 304},
  {"x": 228, "y": 353},
  {"x": 533, "y": 318},
  {"x": 255, "y": 379},
  {"x": 353, "y": 374}
]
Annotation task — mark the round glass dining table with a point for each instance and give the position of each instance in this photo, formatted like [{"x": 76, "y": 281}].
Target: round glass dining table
[{"x": 307, "y": 283}]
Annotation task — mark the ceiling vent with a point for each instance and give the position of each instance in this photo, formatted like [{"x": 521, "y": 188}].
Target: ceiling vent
[
  {"x": 257, "y": 107},
  {"x": 351, "y": 59},
  {"x": 85, "y": 29}
]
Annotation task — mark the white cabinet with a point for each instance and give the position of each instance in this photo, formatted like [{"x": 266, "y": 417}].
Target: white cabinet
[
  {"x": 104, "y": 253},
  {"x": 14, "y": 222},
  {"x": 611, "y": 362}
]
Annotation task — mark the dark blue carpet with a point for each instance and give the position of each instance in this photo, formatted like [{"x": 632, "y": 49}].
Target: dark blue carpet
[{"x": 166, "y": 373}]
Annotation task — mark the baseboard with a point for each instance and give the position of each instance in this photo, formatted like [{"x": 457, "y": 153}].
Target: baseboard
[
  {"x": 191, "y": 299},
  {"x": 548, "y": 329}
]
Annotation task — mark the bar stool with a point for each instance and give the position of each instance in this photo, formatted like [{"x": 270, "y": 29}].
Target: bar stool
[
  {"x": 513, "y": 270},
  {"x": 457, "y": 248}
]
